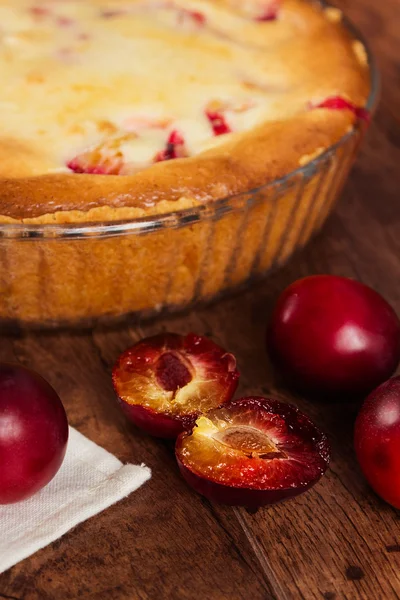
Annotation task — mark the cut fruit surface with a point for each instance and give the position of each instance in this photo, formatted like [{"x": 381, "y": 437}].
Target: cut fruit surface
[
  {"x": 252, "y": 452},
  {"x": 164, "y": 382}
]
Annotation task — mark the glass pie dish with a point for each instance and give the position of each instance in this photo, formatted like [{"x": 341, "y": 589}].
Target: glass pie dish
[{"x": 82, "y": 274}]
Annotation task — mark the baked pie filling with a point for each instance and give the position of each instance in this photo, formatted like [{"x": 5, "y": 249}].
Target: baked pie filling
[{"x": 237, "y": 92}]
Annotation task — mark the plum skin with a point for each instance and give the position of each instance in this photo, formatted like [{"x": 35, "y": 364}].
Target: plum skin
[
  {"x": 156, "y": 424},
  {"x": 333, "y": 335},
  {"x": 377, "y": 440},
  {"x": 33, "y": 433},
  {"x": 238, "y": 496}
]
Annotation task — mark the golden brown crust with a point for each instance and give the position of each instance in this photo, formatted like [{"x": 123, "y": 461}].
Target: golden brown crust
[
  {"x": 327, "y": 65},
  {"x": 241, "y": 167}
]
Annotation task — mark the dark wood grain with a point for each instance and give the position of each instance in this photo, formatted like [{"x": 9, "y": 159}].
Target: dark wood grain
[{"x": 339, "y": 541}]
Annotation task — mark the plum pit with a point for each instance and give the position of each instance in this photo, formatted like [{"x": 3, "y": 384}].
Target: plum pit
[
  {"x": 250, "y": 441},
  {"x": 172, "y": 374}
]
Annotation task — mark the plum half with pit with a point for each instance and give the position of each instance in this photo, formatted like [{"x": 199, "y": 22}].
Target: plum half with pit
[
  {"x": 252, "y": 452},
  {"x": 164, "y": 382},
  {"x": 33, "y": 433}
]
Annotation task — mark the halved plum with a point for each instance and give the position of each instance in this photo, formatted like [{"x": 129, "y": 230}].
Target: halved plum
[
  {"x": 165, "y": 382},
  {"x": 252, "y": 452}
]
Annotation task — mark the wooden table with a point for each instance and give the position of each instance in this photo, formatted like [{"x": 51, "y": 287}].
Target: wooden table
[{"x": 338, "y": 541}]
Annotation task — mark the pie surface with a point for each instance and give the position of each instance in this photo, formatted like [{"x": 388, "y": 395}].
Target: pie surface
[{"x": 124, "y": 108}]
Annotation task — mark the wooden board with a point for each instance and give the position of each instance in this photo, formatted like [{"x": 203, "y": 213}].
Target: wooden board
[{"x": 339, "y": 541}]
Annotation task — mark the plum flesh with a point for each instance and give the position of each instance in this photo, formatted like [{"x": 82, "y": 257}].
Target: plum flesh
[
  {"x": 164, "y": 382},
  {"x": 252, "y": 452}
]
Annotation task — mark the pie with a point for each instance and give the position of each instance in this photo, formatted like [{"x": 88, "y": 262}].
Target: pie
[{"x": 125, "y": 109}]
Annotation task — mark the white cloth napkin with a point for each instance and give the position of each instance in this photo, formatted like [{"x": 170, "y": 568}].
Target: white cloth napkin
[{"x": 90, "y": 480}]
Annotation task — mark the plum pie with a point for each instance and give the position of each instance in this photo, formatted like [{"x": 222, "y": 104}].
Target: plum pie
[{"x": 135, "y": 110}]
